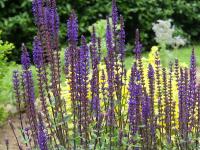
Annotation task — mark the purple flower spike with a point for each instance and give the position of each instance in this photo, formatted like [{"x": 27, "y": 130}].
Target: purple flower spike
[
  {"x": 110, "y": 60},
  {"x": 30, "y": 96},
  {"x": 52, "y": 23},
  {"x": 37, "y": 7},
  {"x": 122, "y": 39},
  {"x": 146, "y": 109},
  {"x": 94, "y": 52},
  {"x": 95, "y": 75},
  {"x": 134, "y": 100},
  {"x": 109, "y": 43},
  {"x": 114, "y": 14},
  {"x": 84, "y": 53},
  {"x": 37, "y": 53},
  {"x": 84, "y": 71},
  {"x": 25, "y": 59},
  {"x": 16, "y": 84},
  {"x": 151, "y": 71},
  {"x": 72, "y": 33},
  {"x": 193, "y": 70},
  {"x": 151, "y": 82},
  {"x": 192, "y": 89},
  {"x": 53, "y": 3},
  {"x": 30, "y": 101},
  {"x": 181, "y": 100},
  {"x": 42, "y": 137},
  {"x": 138, "y": 45}
]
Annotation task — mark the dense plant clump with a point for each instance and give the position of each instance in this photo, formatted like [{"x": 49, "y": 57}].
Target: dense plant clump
[
  {"x": 5, "y": 49},
  {"x": 142, "y": 14},
  {"x": 107, "y": 106}
]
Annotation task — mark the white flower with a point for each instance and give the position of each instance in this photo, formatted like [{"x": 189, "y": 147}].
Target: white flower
[
  {"x": 179, "y": 41},
  {"x": 164, "y": 34}
]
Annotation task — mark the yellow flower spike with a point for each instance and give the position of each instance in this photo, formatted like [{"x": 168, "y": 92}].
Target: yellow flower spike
[
  {"x": 152, "y": 55},
  {"x": 154, "y": 48}
]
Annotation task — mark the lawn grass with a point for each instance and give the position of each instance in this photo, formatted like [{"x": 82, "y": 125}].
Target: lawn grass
[{"x": 182, "y": 54}]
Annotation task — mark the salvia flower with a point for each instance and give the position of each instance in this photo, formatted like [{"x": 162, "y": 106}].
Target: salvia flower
[
  {"x": 37, "y": 53},
  {"x": 84, "y": 59},
  {"x": 72, "y": 29},
  {"x": 151, "y": 86},
  {"x": 42, "y": 137},
  {"x": 30, "y": 102},
  {"x": 28, "y": 81},
  {"x": 138, "y": 45},
  {"x": 181, "y": 97},
  {"x": 109, "y": 42},
  {"x": 192, "y": 88},
  {"x": 17, "y": 88},
  {"x": 114, "y": 14},
  {"x": 109, "y": 60},
  {"x": 52, "y": 25},
  {"x": 134, "y": 100},
  {"x": 146, "y": 109},
  {"x": 54, "y": 22},
  {"x": 25, "y": 59},
  {"x": 84, "y": 72},
  {"x": 16, "y": 84},
  {"x": 37, "y": 8},
  {"x": 122, "y": 39}
]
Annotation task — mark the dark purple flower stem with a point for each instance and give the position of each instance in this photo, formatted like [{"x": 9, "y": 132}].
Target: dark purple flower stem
[{"x": 16, "y": 85}]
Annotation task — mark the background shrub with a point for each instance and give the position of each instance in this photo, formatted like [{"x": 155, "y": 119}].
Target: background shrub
[
  {"x": 18, "y": 26},
  {"x": 5, "y": 48}
]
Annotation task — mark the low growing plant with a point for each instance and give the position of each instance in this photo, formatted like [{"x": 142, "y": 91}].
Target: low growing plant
[
  {"x": 107, "y": 106},
  {"x": 5, "y": 88}
]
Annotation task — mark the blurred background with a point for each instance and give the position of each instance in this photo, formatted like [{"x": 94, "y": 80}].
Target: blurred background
[
  {"x": 170, "y": 25},
  {"x": 16, "y": 19}
]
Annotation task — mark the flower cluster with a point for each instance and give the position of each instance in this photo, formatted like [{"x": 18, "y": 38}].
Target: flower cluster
[
  {"x": 164, "y": 32},
  {"x": 107, "y": 107}
]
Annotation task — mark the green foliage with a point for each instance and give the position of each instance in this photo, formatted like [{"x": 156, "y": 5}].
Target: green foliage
[
  {"x": 6, "y": 68},
  {"x": 3, "y": 115},
  {"x": 5, "y": 74},
  {"x": 100, "y": 27},
  {"x": 17, "y": 24},
  {"x": 5, "y": 48},
  {"x": 188, "y": 16},
  {"x": 6, "y": 87}
]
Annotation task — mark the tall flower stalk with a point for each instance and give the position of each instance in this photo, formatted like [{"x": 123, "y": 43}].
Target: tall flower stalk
[
  {"x": 72, "y": 36},
  {"x": 107, "y": 106}
]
